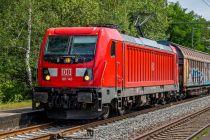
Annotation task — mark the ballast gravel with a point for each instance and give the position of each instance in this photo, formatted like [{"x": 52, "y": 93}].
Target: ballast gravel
[{"x": 125, "y": 128}]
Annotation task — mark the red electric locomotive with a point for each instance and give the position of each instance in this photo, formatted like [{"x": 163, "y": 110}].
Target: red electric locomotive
[{"x": 83, "y": 72}]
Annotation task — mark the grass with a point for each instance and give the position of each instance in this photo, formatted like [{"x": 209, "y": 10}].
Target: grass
[
  {"x": 202, "y": 134},
  {"x": 14, "y": 105}
]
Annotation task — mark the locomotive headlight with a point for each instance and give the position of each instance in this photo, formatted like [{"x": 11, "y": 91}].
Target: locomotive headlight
[
  {"x": 88, "y": 75},
  {"x": 47, "y": 77},
  {"x": 67, "y": 60},
  {"x": 87, "y": 78},
  {"x": 46, "y": 74}
]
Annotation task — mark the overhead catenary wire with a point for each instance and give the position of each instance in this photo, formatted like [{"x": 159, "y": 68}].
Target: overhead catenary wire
[
  {"x": 206, "y": 3},
  {"x": 208, "y": 0}
]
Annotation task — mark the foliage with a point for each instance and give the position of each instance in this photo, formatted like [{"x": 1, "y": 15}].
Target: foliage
[
  {"x": 57, "y": 13},
  {"x": 157, "y": 25},
  {"x": 12, "y": 91},
  {"x": 190, "y": 35}
]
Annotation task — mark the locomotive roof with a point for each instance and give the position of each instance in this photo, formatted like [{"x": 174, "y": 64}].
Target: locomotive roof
[
  {"x": 127, "y": 38},
  {"x": 145, "y": 42}
]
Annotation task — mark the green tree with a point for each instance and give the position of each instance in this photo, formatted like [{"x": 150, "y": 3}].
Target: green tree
[
  {"x": 157, "y": 25},
  {"x": 186, "y": 34}
]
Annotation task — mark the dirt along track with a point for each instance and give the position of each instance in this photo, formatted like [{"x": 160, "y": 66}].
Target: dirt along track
[{"x": 54, "y": 131}]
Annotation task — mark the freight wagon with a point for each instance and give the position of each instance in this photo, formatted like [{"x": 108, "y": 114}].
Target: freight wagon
[{"x": 194, "y": 73}]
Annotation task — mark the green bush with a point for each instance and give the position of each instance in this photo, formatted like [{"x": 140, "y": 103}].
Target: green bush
[{"x": 11, "y": 91}]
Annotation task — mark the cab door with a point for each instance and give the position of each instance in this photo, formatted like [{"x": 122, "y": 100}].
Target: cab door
[{"x": 112, "y": 76}]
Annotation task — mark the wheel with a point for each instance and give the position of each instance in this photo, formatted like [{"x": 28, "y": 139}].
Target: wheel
[
  {"x": 183, "y": 96},
  {"x": 175, "y": 98},
  {"x": 129, "y": 108},
  {"x": 179, "y": 97},
  {"x": 106, "y": 112},
  {"x": 162, "y": 101},
  {"x": 121, "y": 111}
]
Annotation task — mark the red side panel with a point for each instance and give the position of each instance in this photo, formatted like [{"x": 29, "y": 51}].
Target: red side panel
[{"x": 149, "y": 67}]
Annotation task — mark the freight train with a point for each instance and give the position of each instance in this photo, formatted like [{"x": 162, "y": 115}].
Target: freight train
[{"x": 87, "y": 72}]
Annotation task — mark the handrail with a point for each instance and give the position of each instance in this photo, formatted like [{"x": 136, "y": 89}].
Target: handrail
[{"x": 105, "y": 63}]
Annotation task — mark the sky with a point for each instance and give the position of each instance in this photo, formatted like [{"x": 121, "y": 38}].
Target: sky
[{"x": 200, "y": 7}]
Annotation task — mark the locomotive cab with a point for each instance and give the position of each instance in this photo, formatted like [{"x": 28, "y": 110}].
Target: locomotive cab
[{"x": 72, "y": 58}]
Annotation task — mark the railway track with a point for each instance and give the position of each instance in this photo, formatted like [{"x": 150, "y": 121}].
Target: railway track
[
  {"x": 55, "y": 131},
  {"x": 36, "y": 128},
  {"x": 184, "y": 128}
]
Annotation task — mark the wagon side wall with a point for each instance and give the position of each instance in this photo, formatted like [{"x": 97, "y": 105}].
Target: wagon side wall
[{"x": 196, "y": 73}]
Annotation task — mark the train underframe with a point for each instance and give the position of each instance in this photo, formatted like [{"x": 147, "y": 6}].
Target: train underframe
[{"x": 91, "y": 103}]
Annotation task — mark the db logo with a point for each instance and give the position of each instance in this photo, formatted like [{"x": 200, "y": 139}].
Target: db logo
[
  {"x": 66, "y": 72},
  {"x": 153, "y": 66}
]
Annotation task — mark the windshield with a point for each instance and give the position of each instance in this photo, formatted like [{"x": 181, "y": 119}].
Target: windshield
[
  {"x": 77, "y": 47},
  {"x": 83, "y": 45},
  {"x": 57, "y": 45}
]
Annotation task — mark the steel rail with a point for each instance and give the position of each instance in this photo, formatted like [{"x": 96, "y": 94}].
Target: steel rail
[
  {"x": 169, "y": 125},
  {"x": 197, "y": 132},
  {"x": 4, "y": 135}
]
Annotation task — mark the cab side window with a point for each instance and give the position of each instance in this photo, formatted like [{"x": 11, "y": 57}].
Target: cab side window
[{"x": 112, "y": 52}]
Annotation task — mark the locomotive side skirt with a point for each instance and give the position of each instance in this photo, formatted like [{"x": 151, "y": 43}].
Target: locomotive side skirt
[{"x": 138, "y": 91}]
